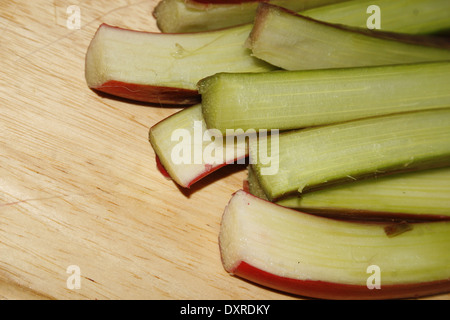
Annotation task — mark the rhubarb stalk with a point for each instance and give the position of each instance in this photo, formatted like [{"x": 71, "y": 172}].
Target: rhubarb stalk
[
  {"x": 164, "y": 68},
  {"x": 318, "y": 257},
  {"x": 287, "y": 100},
  {"x": 180, "y": 16},
  {"x": 187, "y": 151},
  {"x": 294, "y": 42},
  {"x": 311, "y": 158}
]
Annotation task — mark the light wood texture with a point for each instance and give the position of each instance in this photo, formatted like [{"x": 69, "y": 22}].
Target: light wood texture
[{"x": 78, "y": 181}]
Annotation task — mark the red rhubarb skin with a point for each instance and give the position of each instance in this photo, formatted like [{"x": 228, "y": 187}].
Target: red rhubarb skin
[
  {"x": 150, "y": 93},
  {"x": 161, "y": 168},
  {"x": 338, "y": 291},
  {"x": 335, "y": 291},
  {"x": 208, "y": 170}
]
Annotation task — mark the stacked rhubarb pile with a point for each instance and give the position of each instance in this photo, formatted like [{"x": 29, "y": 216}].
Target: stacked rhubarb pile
[{"x": 345, "y": 131}]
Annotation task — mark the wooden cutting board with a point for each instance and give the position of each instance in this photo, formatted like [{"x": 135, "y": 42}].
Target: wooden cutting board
[{"x": 79, "y": 189}]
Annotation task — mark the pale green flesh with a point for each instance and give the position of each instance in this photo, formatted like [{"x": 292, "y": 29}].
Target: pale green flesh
[
  {"x": 178, "y": 16},
  {"x": 169, "y": 60},
  {"x": 160, "y": 137},
  {"x": 291, "y": 244},
  {"x": 294, "y": 42},
  {"x": 295, "y": 99},
  {"x": 425, "y": 192},
  {"x": 404, "y": 16},
  {"x": 315, "y": 157},
  {"x": 182, "y": 141}
]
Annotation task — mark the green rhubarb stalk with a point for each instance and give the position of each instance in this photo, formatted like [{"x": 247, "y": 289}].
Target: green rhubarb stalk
[
  {"x": 180, "y": 16},
  {"x": 310, "y": 158},
  {"x": 165, "y": 68},
  {"x": 403, "y": 16},
  {"x": 419, "y": 195},
  {"x": 295, "y": 99},
  {"x": 294, "y": 42}
]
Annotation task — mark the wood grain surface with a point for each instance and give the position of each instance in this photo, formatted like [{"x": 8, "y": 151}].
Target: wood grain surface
[{"x": 78, "y": 180}]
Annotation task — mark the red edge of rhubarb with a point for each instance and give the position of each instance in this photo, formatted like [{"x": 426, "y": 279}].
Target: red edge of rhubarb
[
  {"x": 334, "y": 291},
  {"x": 338, "y": 291},
  {"x": 150, "y": 93},
  {"x": 246, "y": 186},
  {"x": 161, "y": 168},
  {"x": 146, "y": 93},
  {"x": 210, "y": 169}
]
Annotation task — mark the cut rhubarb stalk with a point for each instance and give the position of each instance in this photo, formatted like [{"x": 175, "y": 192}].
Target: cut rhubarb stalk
[
  {"x": 179, "y": 16},
  {"x": 296, "y": 99},
  {"x": 164, "y": 68},
  {"x": 294, "y": 42},
  {"x": 311, "y": 158},
  {"x": 402, "y": 16},
  {"x": 318, "y": 257},
  {"x": 413, "y": 196},
  {"x": 187, "y": 151},
  {"x": 429, "y": 17}
]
